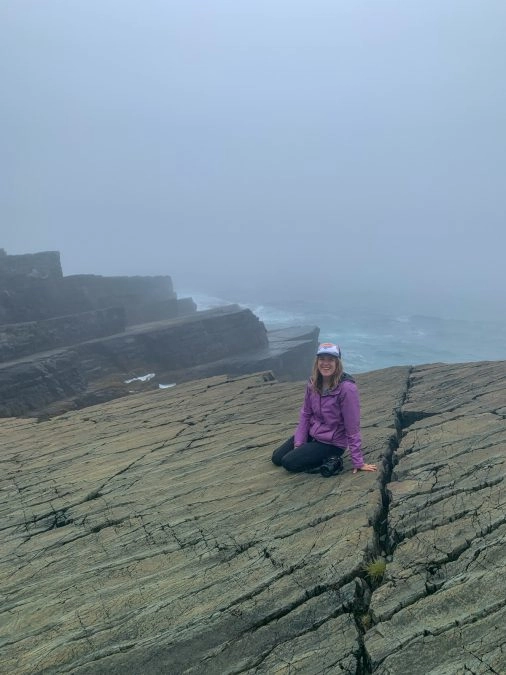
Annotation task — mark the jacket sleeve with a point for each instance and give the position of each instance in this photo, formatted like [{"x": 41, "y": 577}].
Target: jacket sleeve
[
  {"x": 350, "y": 409},
  {"x": 302, "y": 430}
]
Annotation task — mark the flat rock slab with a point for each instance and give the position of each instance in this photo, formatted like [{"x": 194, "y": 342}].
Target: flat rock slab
[
  {"x": 152, "y": 534},
  {"x": 442, "y": 606}
]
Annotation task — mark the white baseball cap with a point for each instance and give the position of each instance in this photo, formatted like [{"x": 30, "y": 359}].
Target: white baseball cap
[{"x": 329, "y": 348}]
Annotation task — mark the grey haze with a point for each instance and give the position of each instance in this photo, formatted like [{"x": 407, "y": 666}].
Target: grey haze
[{"x": 273, "y": 149}]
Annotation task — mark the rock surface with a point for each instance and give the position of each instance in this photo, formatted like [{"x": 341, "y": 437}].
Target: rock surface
[
  {"x": 31, "y": 298},
  {"x": 23, "y": 339},
  {"x": 442, "y": 607},
  {"x": 152, "y": 534},
  {"x": 69, "y": 342},
  {"x": 228, "y": 340},
  {"x": 43, "y": 265}
]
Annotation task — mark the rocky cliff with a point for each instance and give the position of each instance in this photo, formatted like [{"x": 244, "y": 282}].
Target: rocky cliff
[
  {"x": 71, "y": 341},
  {"x": 153, "y": 535},
  {"x": 27, "y": 298},
  {"x": 23, "y": 339},
  {"x": 226, "y": 340},
  {"x": 43, "y": 265}
]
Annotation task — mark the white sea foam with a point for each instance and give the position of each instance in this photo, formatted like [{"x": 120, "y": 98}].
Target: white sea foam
[
  {"x": 204, "y": 301},
  {"x": 141, "y": 378},
  {"x": 270, "y": 315},
  {"x": 277, "y": 318}
]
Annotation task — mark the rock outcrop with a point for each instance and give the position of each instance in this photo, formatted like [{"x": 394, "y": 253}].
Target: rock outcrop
[
  {"x": 441, "y": 607},
  {"x": 23, "y": 339},
  {"x": 152, "y": 534},
  {"x": 27, "y": 298},
  {"x": 71, "y": 341},
  {"x": 43, "y": 265},
  {"x": 230, "y": 340}
]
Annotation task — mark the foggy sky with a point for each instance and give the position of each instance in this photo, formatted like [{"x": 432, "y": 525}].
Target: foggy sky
[{"x": 278, "y": 148}]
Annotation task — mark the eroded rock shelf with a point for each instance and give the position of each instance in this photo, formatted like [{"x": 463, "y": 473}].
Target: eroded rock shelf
[
  {"x": 152, "y": 534},
  {"x": 68, "y": 342}
]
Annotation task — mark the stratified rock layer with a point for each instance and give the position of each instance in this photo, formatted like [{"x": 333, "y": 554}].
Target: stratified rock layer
[
  {"x": 153, "y": 534},
  {"x": 442, "y": 606},
  {"x": 229, "y": 340},
  {"x": 43, "y": 265},
  {"x": 70, "y": 342},
  {"x": 23, "y": 339}
]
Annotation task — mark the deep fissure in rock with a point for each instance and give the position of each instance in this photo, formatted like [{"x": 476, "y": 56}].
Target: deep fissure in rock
[{"x": 383, "y": 543}]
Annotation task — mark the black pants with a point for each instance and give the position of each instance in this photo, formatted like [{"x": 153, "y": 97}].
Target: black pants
[{"x": 307, "y": 456}]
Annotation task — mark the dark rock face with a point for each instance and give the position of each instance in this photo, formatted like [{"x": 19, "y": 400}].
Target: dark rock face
[
  {"x": 23, "y": 339},
  {"x": 229, "y": 339},
  {"x": 33, "y": 384},
  {"x": 289, "y": 353},
  {"x": 114, "y": 329},
  {"x": 124, "y": 291},
  {"x": 176, "y": 343},
  {"x": 153, "y": 534},
  {"x": 158, "y": 311},
  {"x": 25, "y": 298},
  {"x": 43, "y": 265}
]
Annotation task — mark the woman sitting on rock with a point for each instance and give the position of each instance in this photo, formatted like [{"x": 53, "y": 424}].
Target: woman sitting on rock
[{"x": 329, "y": 420}]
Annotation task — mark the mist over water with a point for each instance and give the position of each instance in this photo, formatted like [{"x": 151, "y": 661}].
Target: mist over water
[
  {"x": 349, "y": 156},
  {"x": 371, "y": 339}
]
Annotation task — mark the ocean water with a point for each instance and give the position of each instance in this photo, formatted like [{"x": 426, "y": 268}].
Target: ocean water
[{"x": 370, "y": 339}]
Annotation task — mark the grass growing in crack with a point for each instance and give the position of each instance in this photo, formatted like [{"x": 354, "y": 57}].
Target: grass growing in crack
[
  {"x": 375, "y": 569},
  {"x": 366, "y": 621}
]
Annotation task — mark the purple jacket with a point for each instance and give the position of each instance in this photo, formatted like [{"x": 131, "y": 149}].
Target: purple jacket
[{"x": 333, "y": 418}]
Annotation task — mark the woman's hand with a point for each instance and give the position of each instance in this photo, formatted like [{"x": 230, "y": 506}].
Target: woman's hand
[{"x": 365, "y": 467}]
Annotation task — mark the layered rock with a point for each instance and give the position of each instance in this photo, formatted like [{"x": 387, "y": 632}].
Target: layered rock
[
  {"x": 147, "y": 312},
  {"x": 22, "y": 339},
  {"x": 441, "y": 607},
  {"x": 225, "y": 340},
  {"x": 43, "y": 265},
  {"x": 72, "y": 341},
  {"x": 28, "y": 298},
  {"x": 153, "y": 534}
]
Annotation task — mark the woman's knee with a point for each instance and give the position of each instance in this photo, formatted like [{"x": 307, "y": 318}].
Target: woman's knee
[
  {"x": 279, "y": 453},
  {"x": 292, "y": 462},
  {"x": 277, "y": 458},
  {"x": 290, "y": 466}
]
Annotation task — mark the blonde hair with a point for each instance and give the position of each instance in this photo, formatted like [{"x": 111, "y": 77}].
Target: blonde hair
[{"x": 317, "y": 379}]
